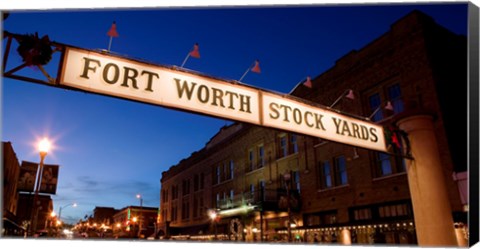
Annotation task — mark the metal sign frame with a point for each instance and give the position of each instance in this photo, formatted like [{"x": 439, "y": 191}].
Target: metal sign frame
[{"x": 99, "y": 74}]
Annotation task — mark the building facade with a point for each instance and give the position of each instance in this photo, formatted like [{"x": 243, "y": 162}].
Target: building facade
[
  {"x": 255, "y": 184},
  {"x": 135, "y": 222},
  {"x": 11, "y": 171},
  {"x": 18, "y": 198},
  {"x": 104, "y": 215}
]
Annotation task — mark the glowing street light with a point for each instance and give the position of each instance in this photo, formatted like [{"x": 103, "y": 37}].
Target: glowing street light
[
  {"x": 43, "y": 147},
  {"x": 287, "y": 176},
  {"x": 213, "y": 216},
  {"x": 139, "y": 196},
  {"x": 60, "y": 209}
]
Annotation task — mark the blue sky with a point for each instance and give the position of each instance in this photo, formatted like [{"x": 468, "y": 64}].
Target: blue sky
[{"x": 111, "y": 149}]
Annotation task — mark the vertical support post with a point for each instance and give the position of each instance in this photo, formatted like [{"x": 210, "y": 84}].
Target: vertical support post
[{"x": 426, "y": 180}]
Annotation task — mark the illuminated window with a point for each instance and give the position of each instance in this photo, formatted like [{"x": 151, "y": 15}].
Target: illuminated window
[
  {"x": 362, "y": 214},
  {"x": 394, "y": 210}
]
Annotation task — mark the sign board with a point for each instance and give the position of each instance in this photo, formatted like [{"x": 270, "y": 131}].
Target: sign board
[
  {"x": 48, "y": 185},
  {"x": 174, "y": 88},
  {"x": 27, "y": 176}
]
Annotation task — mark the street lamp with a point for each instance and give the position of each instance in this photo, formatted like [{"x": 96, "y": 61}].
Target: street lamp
[
  {"x": 287, "y": 176},
  {"x": 141, "y": 200},
  {"x": 43, "y": 147},
  {"x": 213, "y": 216},
  {"x": 139, "y": 196},
  {"x": 60, "y": 209}
]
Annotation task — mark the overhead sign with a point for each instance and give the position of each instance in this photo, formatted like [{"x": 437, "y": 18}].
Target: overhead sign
[
  {"x": 111, "y": 75},
  {"x": 27, "y": 176}
]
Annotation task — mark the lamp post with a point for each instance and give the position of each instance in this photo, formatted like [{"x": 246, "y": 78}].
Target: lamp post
[
  {"x": 213, "y": 215},
  {"x": 60, "y": 209},
  {"x": 287, "y": 176},
  {"x": 43, "y": 147},
  {"x": 140, "y": 221}
]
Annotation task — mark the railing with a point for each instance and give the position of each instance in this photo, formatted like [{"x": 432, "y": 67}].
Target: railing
[{"x": 268, "y": 199}]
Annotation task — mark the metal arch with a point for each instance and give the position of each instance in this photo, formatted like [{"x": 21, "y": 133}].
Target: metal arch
[{"x": 15, "y": 72}]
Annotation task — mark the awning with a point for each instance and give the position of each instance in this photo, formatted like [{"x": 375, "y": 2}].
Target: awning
[{"x": 7, "y": 223}]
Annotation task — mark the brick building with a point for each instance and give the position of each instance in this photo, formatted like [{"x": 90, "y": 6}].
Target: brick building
[
  {"x": 18, "y": 196},
  {"x": 104, "y": 215},
  {"x": 266, "y": 184},
  {"x": 135, "y": 222},
  {"x": 10, "y": 171}
]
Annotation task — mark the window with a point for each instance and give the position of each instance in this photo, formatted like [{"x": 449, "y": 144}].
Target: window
[
  {"x": 379, "y": 97},
  {"x": 217, "y": 204},
  {"x": 165, "y": 195},
  {"x": 283, "y": 146},
  {"x": 225, "y": 172},
  {"x": 202, "y": 180},
  {"x": 395, "y": 210},
  {"x": 174, "y": 192},
  {"x": 201, "y": 208},
  {"x": 261, "y": 185},
  {"x": 287, "y": 144},
  {"x": 387, "y": 164},
  {"x": 375, "y": 103},
  {"x": 231, "y": 197},
  {"x": 256, "y": 157},
  {"x": 196, "y": 183},
  {"x": 333, "y": 175},
  {"x": 321, "y": 218},
  {"x": 362, "y": 214},
  {"x": 185, "y": 210},
  {"x": 261, "y": 156},
  {"x": 327, "y": 175},
  {"x": 218, "y": 175},
  {"x": 395, "y": 97},
  {"x": 293, "y": 141},
  {"x": 164, "y": 215},
  {"x": 174, "y": 213},
  {"x": 252, "y": 190},
  {"x": 296, "y": 180},
  {"x": 251, "y": 159},
  {"x": 232, "y": 169},
  {"x": 186, "y": 187},
  {"x": 195, "y": 207},
  {"x": 341, "y": 170}
]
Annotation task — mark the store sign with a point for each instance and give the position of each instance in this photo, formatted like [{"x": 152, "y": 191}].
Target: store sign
[{"x": 170, "y": 87}]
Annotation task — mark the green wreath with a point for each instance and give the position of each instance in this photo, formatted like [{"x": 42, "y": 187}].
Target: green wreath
[{"x": 33, "y": 50}]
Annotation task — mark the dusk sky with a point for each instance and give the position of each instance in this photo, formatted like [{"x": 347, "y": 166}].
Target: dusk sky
[{"x": 111, "y": 149}]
